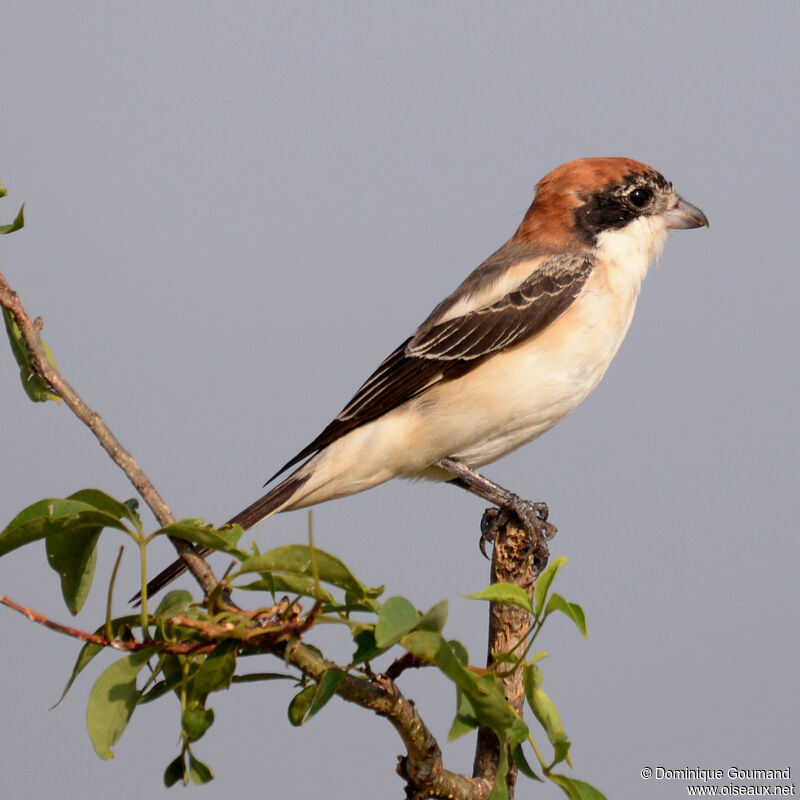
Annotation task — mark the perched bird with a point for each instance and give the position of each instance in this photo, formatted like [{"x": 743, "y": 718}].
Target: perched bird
[{"x": 517, "y": 346}]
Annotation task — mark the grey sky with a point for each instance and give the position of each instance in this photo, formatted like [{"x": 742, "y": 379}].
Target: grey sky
[{"x": 235, "y": 211}]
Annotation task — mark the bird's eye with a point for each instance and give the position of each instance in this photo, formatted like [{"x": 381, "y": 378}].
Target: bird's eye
[{"x": 640, "y": 197}]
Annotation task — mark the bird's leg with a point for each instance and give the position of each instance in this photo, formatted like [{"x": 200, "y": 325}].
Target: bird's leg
[{"x": 533, "y": 516}]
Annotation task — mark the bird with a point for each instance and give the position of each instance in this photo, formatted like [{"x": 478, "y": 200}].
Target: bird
[{"x": 517, "y": 346}]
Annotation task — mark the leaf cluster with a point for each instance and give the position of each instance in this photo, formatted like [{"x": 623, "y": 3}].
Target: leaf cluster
[{"x": 191, "y": 651}]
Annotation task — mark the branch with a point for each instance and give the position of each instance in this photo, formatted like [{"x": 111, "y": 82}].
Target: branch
[
  {"x": 127, "y": 645},
  {"x": 30, "y": 331},
  {"x": 268, "y": 629},
  {"x": 277, "y": 631},
  {"x": 422, "y": 766},
  {"x": 511, "y": 563}
]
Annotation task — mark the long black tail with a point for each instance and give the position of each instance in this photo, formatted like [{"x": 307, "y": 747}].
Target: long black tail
[{"x": 251, "y": 516}]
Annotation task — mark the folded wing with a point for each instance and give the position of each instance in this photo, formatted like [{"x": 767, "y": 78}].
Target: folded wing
[{"x": 491, "y": 318}]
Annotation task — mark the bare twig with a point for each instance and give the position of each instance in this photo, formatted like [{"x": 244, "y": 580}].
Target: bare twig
[
  {"x": 511, "y": 563},
  {"x": 30, "y": 330},
  {"x": 35, "y": 616},
  {"x": 127, "y": 645},
  {"x": 401, "y": 664}
]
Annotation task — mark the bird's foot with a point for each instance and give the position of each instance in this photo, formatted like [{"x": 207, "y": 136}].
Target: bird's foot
[{"x": 533, "y": 519}]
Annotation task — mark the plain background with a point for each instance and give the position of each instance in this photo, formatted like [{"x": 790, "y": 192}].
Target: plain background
[{"x": 236, "y": 210}]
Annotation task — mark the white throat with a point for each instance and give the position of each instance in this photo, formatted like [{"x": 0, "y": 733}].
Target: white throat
[{"x": 633, "y": 248}]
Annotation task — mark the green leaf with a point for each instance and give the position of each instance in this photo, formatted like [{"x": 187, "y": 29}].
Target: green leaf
[
  {"x": 538, "y": 656},
  {"x": 18, "y": 347},
  {"x": 491, "y": 706},
  {"x": 504, "y": 593},
  {"x": 572, "y": 610},
  {"x": 217, "y": 669},
  {"x": 544, "y": 710},
  {"x": 195, "y": 721},
  {"x": 90, "y": 650},
  {"x": 199, "y": 773},
  {"x": 561, "y": 747},
  {"x": 423, "y": 644},
  {"x": 465, "y": 720},
  {"x": 499, "y": 790},
  {"x": 52, "y": 516},
  {"x": 170, "y": 667},
  {"x": 175, "y": 771},
  {"x": 195, "y": 531},
  {"x": 397, "y": 618},
  {"x": 510, "y": 739},
  {"x": 104, "y": 502},
  {"x": 86, "y": 654},
  {"x": 19, "y": 221},
  {"x": 435, "y": 618},
  {"x": 295, "y": 559},
  {"x": 160, "y": 688},
  {"x": 351, "y": 605},
  {"x": 519, "y": 731},
  {"x": 575, "y": 789},
  {"x": 522, "y": 763},
  {"x": 543, "y": 583},
  {"x": 459, "y": 651},
  {"x": 112, "y": 700},
  {"x": 73, "y": 555},
  {"x": 288, "y": 584},
  {"x": 37, "y": 388},
  {"x": 487, "y": 698},
  {"x": 366, "y": 648},
  {"x": 325, "y": 690},
  {"x": 300, "y": 703},
  {"x": 173, "y": 603}
]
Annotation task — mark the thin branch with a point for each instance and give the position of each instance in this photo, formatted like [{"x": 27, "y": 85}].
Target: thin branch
[
  {"x": 422, "y": 767},
  {"x": 126, "y": 645},
  {"x": 30, "y": 332},
  {"x": 402, "y": 663}
]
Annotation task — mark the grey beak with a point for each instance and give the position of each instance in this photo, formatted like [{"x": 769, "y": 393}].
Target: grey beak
[{"x": 685, "y": 215}]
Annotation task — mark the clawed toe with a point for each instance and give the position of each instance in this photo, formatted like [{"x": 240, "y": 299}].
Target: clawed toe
[
  {"x": 533, "y": 518},
  {"x": 492, "y": 520}
]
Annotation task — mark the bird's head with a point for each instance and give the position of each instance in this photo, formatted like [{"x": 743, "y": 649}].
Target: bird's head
[{"x": 585, "y": 202}]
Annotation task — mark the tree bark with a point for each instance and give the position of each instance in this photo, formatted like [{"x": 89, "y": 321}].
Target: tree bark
[{"x": 511, "y": 563}]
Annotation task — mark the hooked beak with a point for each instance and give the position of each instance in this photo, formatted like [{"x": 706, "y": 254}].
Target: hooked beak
[{"x": 685, "y": 215}]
